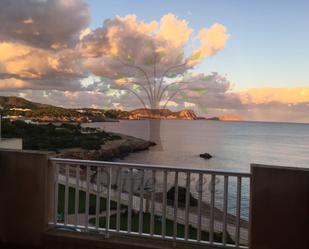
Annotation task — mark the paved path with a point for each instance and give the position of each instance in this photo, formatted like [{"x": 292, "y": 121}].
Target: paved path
[{"x": 81, "y": 217}]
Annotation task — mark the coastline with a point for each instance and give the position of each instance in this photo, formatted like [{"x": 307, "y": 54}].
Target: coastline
[
  {"x": 73, "y": 141},
  {"x": 119, "y": 148}
]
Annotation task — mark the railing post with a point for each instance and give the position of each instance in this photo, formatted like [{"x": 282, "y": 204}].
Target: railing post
[
  {"x": 212, "y": 207},
  {"x": 66, "y": 195},
  {"x": 225, "y": 206},
  {"x": 153, "y": 205},
  {"x": 87, "y": 196},
  {"x": 98, "y": 198},
  {"x": 55, "y": 192},
  {"x": 141, "y": 206},
  {"x": 187, "y": 204},
  {"x": 119, "y": 191},
  {"x": 76, "y": 205},
  {"x": 108, "y": 201},
  {"x": 238, "y": 212},
  {"x": 130, "y": 201},
  {"x": 199, "y": 207},
  {"x": 175, "y": 206},
  {"x": 164, "y": 202}
]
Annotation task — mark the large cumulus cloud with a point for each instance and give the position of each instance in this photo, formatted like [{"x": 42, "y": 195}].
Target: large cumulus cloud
[
  {"x": 144, "y": 58},
  {"x": 124, "y": 41},
  {"x": 46, "y": 24},
  {"x": 38, "y": 42}
]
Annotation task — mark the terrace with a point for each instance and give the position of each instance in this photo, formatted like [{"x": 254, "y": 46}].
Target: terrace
[{"x": 60, "y": 203}]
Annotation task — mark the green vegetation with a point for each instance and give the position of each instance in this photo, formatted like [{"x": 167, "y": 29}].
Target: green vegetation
[
  {"x": 157, "y": 226},
  {"x": 124, "y": 217},
  {"x": 50, "y": 137},
  {"x": 15, "y": 106},
  {"x": 21, "y": 108},
  {"x": 82, "y": 201}
]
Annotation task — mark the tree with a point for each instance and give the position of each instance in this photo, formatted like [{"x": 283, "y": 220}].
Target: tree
[{"x": 151, "y": 61}]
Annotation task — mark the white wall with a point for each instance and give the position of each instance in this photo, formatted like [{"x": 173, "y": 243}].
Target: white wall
[{"x": 11, "y": 143}]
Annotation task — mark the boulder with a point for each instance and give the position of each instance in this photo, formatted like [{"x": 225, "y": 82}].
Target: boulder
[{"x": 181, "y": 197}]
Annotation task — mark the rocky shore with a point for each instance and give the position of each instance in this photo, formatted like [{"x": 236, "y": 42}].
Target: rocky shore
[{"x": 110, "y": 150}]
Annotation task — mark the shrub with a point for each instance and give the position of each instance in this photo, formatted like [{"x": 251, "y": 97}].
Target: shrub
[{"x": 90, "y": 144}]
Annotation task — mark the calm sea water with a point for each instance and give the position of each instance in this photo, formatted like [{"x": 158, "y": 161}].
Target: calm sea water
[{"x": 234, "y": 146}]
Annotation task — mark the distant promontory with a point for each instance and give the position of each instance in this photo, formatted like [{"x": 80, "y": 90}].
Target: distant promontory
[
  {"x": 226, "y": 118},
  {"x": 162, "y": 114}
]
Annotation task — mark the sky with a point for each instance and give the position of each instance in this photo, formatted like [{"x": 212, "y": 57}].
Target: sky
[
  {"x": 269, "y": 39},
  {"x": 251, "y": 57}
]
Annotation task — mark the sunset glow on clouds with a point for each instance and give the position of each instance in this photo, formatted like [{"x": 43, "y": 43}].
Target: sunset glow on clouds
[
  {"x": 291, "y": 96},
  {"x": 47, "y": 49},
  {"x": 134, "y": 40},
  {"x": 38, "y": 44}
]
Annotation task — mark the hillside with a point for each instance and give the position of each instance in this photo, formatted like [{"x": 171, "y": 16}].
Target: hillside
[
  {"x": 19, "y": 108},
  {"x": 17, "y": 102}
]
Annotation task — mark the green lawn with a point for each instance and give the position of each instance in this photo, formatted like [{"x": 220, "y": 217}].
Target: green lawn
[
  {"x": 82, "y": 201},
  {"x": 157, "y": 227},
  {"x": 124, "y": 217}
]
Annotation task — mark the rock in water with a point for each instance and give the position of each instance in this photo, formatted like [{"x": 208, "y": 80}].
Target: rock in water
[
  {"x": 206, "y": 156},
  {"x": 181, "y": 197}
]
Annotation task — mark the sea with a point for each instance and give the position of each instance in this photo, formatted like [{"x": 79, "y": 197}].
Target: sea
[{"x": 234, "y": 146}]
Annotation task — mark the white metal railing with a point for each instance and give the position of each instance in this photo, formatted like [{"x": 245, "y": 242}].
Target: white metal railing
[{"x": 181, "y": 204}]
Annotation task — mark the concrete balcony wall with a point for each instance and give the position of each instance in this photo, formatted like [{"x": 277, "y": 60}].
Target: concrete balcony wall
[
  {"x": 279, "y": 208},
  {"x": 24, "y": 191}
]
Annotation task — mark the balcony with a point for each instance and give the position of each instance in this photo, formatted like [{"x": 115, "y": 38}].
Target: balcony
[{"x": 52, "y": 203}]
